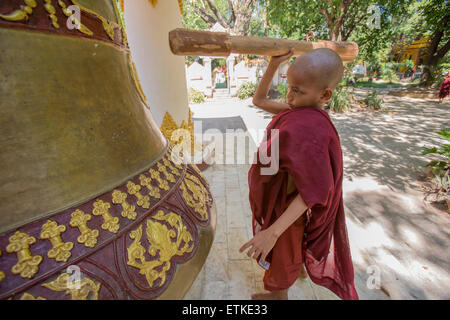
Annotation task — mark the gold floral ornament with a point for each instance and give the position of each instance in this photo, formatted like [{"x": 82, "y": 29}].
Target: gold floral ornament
[
  {"x": 51, "y": 10},
  {"x": 61, "y": 250},
  {"x": 128, "y": 211},
  {"x": 78, "y": 289},
  {"x": 27, "y": 265},
  {"x": 68, "y": 13},
  {"x": 147, "y": 182},
  {"x": 2, "y": 274},
  {"x": 199, "y": 197},
  {"x": 26, "y": 11},
  {"x": 110, "y": 223},
  {"x": 162, "y": 168},
  {"x": 169, "y": 165},
  {"x": 175, "y": 159},
  {"x": 198, "y": 172},
  {"x": 137, "y": 83},
  {"x": 108, "y": 26},
  {"x": 167, "y": 243},
  {"x": 134, "y": 189},
  {"x": 163, "y": 184},
  {"x": 21, "y": 14},
  {"x": 87, "y": 237},
  {"x": 169, "y": 126},
  {"x": 28, "y": 296}
]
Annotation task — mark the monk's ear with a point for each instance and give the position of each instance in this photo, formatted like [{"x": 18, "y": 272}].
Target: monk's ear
[{"x": 327, "y": 94}]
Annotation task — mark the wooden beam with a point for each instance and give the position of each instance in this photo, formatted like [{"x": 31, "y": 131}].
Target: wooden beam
[{"x": 185, "y": 42}]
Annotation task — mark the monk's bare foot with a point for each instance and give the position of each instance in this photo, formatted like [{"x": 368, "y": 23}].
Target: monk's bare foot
[
  {"x": 275, "y": 295},
  {"x": 303, "y": 274}
]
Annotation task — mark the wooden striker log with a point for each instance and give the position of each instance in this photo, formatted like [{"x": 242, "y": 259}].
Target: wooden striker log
[{"x": 185, "y": 42}]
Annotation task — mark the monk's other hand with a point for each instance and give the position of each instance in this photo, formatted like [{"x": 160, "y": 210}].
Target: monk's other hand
[{"x": 260, "y": 244}]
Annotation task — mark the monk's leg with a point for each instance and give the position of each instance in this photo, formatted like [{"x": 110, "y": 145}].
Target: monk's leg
[
  {"x": 285, "y": 265},
  {"x": 275, "y": 295}
]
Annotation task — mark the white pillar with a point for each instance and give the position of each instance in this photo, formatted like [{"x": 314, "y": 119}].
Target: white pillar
[
  {"x": 207, "y": 76},
  {"x": 231, "y": 75},
  {"x": 161, "y": 73}
]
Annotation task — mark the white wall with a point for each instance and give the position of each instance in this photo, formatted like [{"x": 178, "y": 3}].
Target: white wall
[
  {"x": 196, "y": 77},
  {"x": 161, "y": 73}
]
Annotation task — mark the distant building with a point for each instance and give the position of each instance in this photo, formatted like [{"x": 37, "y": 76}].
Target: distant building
[{"x": 414, "y": 51}]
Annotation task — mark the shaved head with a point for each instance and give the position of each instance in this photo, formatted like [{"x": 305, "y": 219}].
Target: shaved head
[{"x": 322, "y": 67}]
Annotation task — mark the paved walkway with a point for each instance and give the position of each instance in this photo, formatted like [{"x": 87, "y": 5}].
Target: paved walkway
[{"x": 391, "y": 230}]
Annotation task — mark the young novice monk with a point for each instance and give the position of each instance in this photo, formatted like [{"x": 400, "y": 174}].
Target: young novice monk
[{"x": 298, "y": 212}]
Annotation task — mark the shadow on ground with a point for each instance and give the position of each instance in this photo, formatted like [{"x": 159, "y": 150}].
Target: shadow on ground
[{"x": 395, "y": 229}]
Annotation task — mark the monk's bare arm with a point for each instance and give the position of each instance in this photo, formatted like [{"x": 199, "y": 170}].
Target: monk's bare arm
[
  {"x": 261, "y": 244},
  {"x": 260, "y": 98},
  {"x": 271, "y": 106},
  {"x": 295, "y": 209}
]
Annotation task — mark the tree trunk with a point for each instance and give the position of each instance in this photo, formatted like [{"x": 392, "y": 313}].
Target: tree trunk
[
  {"x": 243, "y": 16},
  {"x": 426, "y": 79},
  {"x": 434, "y": 53},
  {"x": 239, "y": 22}
]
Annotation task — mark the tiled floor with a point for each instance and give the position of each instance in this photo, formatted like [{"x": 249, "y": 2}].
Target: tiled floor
[{"x": 228, "y": 274}]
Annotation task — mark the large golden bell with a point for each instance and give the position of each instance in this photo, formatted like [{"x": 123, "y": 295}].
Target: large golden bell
[{"x": 87, "y": 182}]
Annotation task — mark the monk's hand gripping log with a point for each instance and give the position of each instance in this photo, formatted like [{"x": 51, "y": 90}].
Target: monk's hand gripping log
[{"x": 280, "y": 59}]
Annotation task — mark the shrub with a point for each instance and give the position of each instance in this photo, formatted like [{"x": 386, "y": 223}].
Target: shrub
[
  {"x": 440, "y": 165},
  {"x": 372, "y": 101},
  {"x": 282, "y": 89},
  {"x": 408, "y": 66},
  {"x": 389, "y": 74},
  {"x": 195, "y": 96},
  {"x": 442, "y": 184},
  {"x": 247, "y": 90},
  {"x": 340, "y": 101},
  {"x": 439, "y": 73}
]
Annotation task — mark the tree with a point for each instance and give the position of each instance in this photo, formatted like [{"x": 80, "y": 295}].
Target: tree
[
  {"x": 332, "y": 19},
  {"x": 374, "y": 25},
  {"x": 396, "y": 21},
  {"x": 233, "y": 15},
  {"x": 436, "y": 14}
]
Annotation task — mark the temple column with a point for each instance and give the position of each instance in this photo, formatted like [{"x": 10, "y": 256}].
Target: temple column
[
  {"x": 207, "y": 77},
  {"x": 231, "y": 76}
]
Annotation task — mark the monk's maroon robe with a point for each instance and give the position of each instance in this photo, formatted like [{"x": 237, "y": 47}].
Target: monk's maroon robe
[
  {"x": 445, "y": 88},
  {"x": 310, "y": 152}
]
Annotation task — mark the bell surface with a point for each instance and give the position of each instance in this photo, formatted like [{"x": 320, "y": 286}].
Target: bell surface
[{"x": 86, "y": 177}]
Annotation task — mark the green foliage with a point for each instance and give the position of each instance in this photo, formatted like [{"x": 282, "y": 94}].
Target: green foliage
[
  {"x": 440, "y": 165},
  {"x": 195, "y": 96},
  {"x": 259, "y": 25},
  {"x": 341, "y": 100},
  {"x": 442, "y": 183},
  {"x": 247, "y": 90},
  {"x": 439, "y": 73},
  {"x": 282, "y": 89},
  {"x": 245, "y": 15},
  {"x": 370, "y": 84},
  {"x": 408, "y": 66},
  {"x": 294, "y": 18},
  {"x": 218, "y": 62},
  {"x": 372, "y": 101},
  {"x": 188, "y": 60},
  {"x": 389, "y": 74},
  {"x": 398, "y": 19},
  {"x": 193, "y": 20}
]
